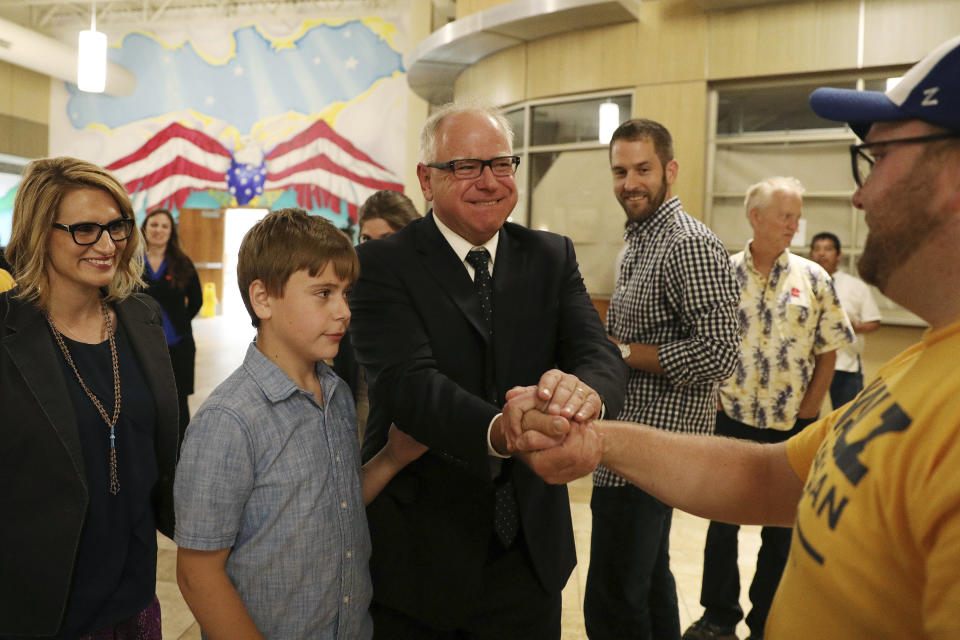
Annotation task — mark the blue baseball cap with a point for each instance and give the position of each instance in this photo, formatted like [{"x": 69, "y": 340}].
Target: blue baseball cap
[{"x": 929, "y": 91}]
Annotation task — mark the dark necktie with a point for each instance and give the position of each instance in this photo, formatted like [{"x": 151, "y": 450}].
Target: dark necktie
[
  {"x": 506, "y": 512},
  {"x": 479, "y": 259}
]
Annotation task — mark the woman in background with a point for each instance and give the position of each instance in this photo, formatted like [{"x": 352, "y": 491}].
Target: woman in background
[
  {"x": 88, "y": 439},
  {"x": 381, "y": 215},
  {"x": 173, "y": 282}
]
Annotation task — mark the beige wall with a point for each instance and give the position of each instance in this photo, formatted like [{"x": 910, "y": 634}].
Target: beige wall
[
  {"x": 675, "y": 49},
  {"x": 24, "y": 111}
]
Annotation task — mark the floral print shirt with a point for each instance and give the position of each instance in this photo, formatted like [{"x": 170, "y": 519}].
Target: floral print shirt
[{"x": 786, "y": 321}]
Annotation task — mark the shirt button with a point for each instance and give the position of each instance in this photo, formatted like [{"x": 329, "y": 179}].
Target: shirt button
[
  {"x": 349, "y": 554},
  {"x": 346, "y": 599},
  {"x": 338, "y": 458},
  {"x": 343, "y": 505}
]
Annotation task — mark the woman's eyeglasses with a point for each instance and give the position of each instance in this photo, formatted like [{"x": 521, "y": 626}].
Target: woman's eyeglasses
[{"x": 86, "y": 233}]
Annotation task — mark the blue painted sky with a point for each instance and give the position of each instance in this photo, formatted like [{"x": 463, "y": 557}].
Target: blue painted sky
[{"x": 327, "y": 65}]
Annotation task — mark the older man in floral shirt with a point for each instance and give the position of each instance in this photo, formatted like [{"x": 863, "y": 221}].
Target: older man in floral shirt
[{"x": 792, "y": 324}]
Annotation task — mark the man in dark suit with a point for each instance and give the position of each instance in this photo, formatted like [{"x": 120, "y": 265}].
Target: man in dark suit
[{"x": 469, "y": 542}]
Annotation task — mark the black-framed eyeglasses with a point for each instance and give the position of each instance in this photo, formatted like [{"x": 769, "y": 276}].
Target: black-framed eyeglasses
[
  {"x": 85, "y": 233},
  {"x": 469, "y": 168},
  {"x": 862, "y": 159}
]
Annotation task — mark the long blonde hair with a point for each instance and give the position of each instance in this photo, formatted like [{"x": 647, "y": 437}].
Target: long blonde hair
[{"x": 43, "y": 185}]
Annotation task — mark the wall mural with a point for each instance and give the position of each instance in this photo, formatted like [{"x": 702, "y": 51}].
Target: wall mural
[{"x": 266, "y": 115}]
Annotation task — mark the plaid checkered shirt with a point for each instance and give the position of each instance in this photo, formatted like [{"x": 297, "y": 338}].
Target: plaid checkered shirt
[{"x": 675, "y": 289}]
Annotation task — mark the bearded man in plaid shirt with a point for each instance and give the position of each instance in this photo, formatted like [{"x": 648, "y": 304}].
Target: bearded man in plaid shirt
[{"x": 674, "y": 315}]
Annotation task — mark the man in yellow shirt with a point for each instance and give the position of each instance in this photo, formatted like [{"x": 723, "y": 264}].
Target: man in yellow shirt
[{"x": 873, "y": 489}]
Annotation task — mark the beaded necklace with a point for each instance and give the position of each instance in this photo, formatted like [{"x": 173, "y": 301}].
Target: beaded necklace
[{"x": 110, "y": 421}]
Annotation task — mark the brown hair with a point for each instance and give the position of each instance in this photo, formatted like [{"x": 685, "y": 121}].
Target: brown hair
[
  {"x": 644, "y": 129},
  {"x": 43, "y": 185},
  {"x": 179, "y": 266},
  {"x": 287, "y": 241},
  {"x": 391, "y": 206}
]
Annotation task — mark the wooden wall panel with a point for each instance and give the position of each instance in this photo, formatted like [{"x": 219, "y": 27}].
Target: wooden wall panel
[
  {"x": 681, "y": 108},
  {"x": 898, "y": 32},
  {"x": 801, "y": 37},
  {"x": 24, "y": 94},
  {"x": 421, "y": 15},
  {"x": 579, "y": 61},
  {"x": 671, "y": 42},
  {"x": 499, "y": 78}
]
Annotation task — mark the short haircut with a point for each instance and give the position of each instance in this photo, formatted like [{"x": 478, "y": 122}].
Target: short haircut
[
  {"x": 759, "y": 195},
  {"x": 643, "y": 129},
  {"x": 42, "y": 188},
  {"x": 826, "y": 235},
  {"x": 431, "y": 128},
  {"x": 287, "y": 241},
  {"x": 391, "y": 206}
]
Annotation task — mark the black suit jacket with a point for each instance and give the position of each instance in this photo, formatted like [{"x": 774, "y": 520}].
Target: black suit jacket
[
  {"x": 43, "y": 483},
  {"x": 434, "y": 371}
]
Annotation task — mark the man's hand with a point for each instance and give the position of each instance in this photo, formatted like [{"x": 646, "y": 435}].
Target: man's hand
[
  {"x": 578, "y": 455},
  {"x": 524, "y": 421},
  {"x": 567, "y": 396}
]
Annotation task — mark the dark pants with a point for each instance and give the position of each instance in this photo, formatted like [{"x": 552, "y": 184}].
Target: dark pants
[
  {"x": 513, "y": 605},
  {"x": 630, "y": 590},
  {"x": 182, "y": 357},
  {"x": 720, "y": 593},
  {"x": 845, "y": 386}
]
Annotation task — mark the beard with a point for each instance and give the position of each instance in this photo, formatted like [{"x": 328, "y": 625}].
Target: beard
[
  {"x": 654, "y": 200},
  {"x": 907, "y": 224}
]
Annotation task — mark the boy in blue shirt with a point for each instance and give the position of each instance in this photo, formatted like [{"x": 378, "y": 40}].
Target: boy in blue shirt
[{"x": 269, "y": 493}]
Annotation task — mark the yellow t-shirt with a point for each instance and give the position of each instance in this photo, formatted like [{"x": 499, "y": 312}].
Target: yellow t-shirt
[
  {"x": 876, "y": 544},
  {"x": 6, "y": 281}
]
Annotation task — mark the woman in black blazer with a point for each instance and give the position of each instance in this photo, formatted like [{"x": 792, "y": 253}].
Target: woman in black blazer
[
  {"x": 173, "y": 282},
  {"x": 88, "y": 435}
]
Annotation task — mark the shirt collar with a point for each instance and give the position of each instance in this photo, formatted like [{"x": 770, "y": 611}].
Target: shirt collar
[
  {"x": 462, "y": 247},
  {"x": 637, "y": 228},
  {"x": 782, "y": 261},
  {"x": 277, "y": 385}
]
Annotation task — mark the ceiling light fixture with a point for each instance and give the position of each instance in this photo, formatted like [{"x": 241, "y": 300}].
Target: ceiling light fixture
[{"x": 92, "y": 58}]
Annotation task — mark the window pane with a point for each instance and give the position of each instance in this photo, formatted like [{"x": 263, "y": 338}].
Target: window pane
[
  {"x": 573, "y": 121},
  {"x": 515, "y": 118},
  {"x": 771, "y": 109},
  {"x": 572, "y": 194}
]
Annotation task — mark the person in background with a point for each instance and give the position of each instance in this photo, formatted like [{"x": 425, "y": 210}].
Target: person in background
[
  {"x": 173, "y": 282},
  {"x": 89, "y": 435},
  {"x": 674, "y": 315},
  {"x": 382, "y": 214},
  {"x": 861, "y": 310}
]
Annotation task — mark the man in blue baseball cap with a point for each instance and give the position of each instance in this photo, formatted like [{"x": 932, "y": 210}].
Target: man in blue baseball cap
[{"x": 873, "y": 489}]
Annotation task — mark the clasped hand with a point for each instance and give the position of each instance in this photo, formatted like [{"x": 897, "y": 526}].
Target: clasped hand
[{"x": 549, "y": 427}]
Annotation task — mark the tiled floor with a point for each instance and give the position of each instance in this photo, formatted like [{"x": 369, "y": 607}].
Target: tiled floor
[{"x": 221, "y": 344}]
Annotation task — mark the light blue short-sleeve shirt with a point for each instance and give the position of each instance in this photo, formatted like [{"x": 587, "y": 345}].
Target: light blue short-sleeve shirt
[{"x": 271, "y": 474}]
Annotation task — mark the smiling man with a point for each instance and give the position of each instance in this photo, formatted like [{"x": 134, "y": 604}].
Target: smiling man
[
  {"x": 448, "y": 314},
  {"x": 674, "y": 315}
]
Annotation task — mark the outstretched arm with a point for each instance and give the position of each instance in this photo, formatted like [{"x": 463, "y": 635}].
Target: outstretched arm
[{"x": 713, "y": 477}]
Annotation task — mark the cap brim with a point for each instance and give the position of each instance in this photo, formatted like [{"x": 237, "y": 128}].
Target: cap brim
[{"x": 859, "y": 109}]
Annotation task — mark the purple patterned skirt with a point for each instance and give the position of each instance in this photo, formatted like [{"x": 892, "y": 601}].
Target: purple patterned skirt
[{"x": 140, "y": 626}]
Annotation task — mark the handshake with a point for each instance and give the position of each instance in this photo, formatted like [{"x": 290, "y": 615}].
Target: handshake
[{"x": 550, "y": 427}]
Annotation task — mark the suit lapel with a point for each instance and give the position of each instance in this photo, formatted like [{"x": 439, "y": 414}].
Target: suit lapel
[
  {"x": 35, "y": 355},
  {"x": 444, "y": 265},
  {"x": 149, "y": 344},
  {"x": 509, "y": 290}
]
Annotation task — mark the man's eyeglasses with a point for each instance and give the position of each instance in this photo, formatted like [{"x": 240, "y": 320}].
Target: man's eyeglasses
[
  {"x": 470, "y": 168},
  {"x": 85, "y": 233},
  {"x": 862, "y": 158}
]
